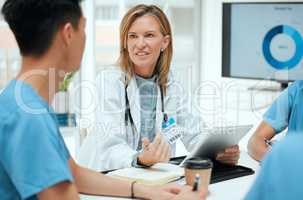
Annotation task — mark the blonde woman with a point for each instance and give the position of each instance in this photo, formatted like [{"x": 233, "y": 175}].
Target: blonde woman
[{"x": 140, "y": 104}]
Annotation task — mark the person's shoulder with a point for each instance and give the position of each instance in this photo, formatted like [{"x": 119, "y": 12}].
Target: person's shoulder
[
  {"x": 282, "y": 164},
  {"x": 33, "y": 112},
  {"x": 36, "y": 124},
  {"x": 9, "y": 100},
  {"x": 292, "y": 90},
  {"x": 298, "y": 82},
  {"x": 296, "y": 86},
  {"x": 21, "y": 103}
]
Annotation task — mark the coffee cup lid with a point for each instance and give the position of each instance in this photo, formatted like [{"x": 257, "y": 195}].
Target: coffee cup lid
[{"x": 198, "y": 163}]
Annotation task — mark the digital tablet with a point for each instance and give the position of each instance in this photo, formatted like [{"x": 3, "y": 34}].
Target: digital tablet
[{"x": 218, "y": 139}]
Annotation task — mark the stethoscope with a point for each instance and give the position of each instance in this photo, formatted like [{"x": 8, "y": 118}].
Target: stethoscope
[{"x": 128, "y": 116}]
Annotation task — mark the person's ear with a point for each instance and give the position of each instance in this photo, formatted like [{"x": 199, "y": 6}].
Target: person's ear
[
  {"x": 67, "y": 33},
  {"x": 165, "y": 42}
]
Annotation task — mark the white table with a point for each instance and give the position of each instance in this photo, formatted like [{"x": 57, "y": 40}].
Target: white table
[{"x": 235, "y": 189}]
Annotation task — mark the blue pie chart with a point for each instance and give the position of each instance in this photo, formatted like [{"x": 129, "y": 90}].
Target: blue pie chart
[{"x": 295, "y": 59}]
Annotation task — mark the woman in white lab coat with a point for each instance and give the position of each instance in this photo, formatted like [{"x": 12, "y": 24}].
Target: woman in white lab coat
[{"x": 142, "y": 110}]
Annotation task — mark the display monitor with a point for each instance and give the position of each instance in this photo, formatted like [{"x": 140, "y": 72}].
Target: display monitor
[{"x": 263, "y": 40}]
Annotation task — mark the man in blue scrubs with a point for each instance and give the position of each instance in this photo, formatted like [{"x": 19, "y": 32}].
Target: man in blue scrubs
[
  {"x": 34, "y": 161},
  {"x": 285, "y": 112},
  {"x": 33, "y": 154},
  {"x": 281, "y": 172}
]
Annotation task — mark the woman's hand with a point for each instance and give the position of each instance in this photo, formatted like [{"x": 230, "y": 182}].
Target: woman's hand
[
  {"x": 230, "y": 155},
  {"x": 166, "y": 192},
  {"x": 176, "y": 192},
  {"x": 155, "y": 152},
  {"x": 188, "y": 194}
]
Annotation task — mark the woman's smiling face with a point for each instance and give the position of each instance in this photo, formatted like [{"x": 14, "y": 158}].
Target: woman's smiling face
[{"x": 144, "y": 44}]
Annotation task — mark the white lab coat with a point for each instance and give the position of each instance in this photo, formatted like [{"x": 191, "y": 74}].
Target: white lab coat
[{"x": 112, "y": 144}]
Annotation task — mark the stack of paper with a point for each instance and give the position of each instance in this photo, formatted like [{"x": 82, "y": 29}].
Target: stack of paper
[{"x": 158, "y": 174}]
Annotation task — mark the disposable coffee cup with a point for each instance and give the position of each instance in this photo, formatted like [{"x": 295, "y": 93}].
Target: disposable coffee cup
[{"x": 201, "y": 166}]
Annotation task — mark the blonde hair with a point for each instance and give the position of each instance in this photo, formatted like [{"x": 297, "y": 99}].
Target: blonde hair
[{"x": 164, "y": 60}]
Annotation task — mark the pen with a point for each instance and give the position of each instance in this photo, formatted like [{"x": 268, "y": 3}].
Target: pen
[
  {"x": 196, "y": 183},
  {"x": 268, "y": 142}
]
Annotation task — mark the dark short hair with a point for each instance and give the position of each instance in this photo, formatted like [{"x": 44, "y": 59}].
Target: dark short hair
[{"x": 35, "y": 22}]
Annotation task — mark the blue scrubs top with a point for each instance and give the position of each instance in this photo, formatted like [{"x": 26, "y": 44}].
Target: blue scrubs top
[
  {"x": 281, "y": 172},
  {"x": 33, "y": 155},
  {"x": 287, "y": 110}
]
